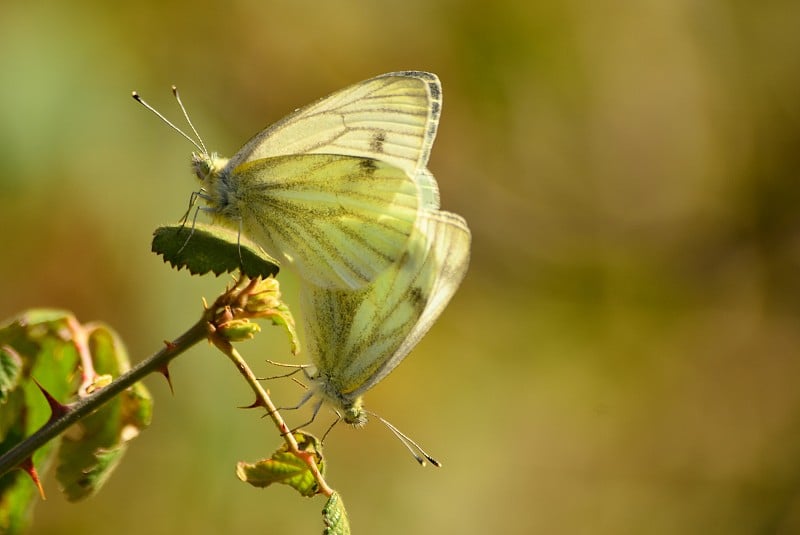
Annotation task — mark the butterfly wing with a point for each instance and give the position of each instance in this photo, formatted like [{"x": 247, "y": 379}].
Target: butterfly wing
[
  {"x": 441, "y": 273},
  {"x": 428, "y": 190},
  {"x": 355, "y": 339},
  {"x": 340, "y": 220},
  {"x": 392, "y": 118}
]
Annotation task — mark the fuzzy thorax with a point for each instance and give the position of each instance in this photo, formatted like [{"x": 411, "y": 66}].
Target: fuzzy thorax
[
  {"x": 210, "y": 170},
  {"x": 354, "y": 413},
  {"x": 352, "y": 409}
]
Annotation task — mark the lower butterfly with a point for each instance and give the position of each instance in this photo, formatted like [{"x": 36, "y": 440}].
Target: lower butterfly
[
  {"x": 355, "y": 339},
  {"x": 334, "y": 188}
]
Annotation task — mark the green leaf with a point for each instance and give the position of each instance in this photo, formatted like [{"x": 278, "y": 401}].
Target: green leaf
[
  {"x": 42, "y": 340},
  {"x": 285, "y": 467},
  {"x": 10, "y": 371},
  {"x": 211, "y": 248},
  {"x": 17, "y": 497},
  {"x": 335, "y": 516},
  {"x": 93, "y": 447}
]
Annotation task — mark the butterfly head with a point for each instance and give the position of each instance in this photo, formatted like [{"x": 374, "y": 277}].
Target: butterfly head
[{"x": 207, "y": 165}]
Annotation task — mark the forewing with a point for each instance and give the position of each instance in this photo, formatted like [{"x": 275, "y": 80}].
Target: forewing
[
  {"x": 392, "y": 117},
  {"x": 340, "y": 221}
]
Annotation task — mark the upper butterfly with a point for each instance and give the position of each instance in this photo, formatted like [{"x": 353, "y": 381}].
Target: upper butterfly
[{"x": 334, "y": 188}]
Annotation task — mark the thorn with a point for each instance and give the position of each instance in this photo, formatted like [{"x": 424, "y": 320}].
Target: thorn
[
  {"x": 57, "y": 409},
  {"x": 164, "y": 370},
  {"x": 257, "y": 403},
  {"x": 28, "y": 468},
  {"x": 170, "y": 345}
]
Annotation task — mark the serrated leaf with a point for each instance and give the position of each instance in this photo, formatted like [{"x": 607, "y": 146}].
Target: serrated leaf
[
  {"x": 83, "y": 471},
  {"x": 10, "y": 371},
  {"x": 41, "y": 338},
  {"x": 27, "y": 332},
  {"x": 210, "y": 248},
  {"x": 17, "y": 498},
  {"x": 92, "y": 449},
  {"x": 335, "y": 516},
  {"x": 11, "y": 412},
  {"x": 285, "y": 467}
]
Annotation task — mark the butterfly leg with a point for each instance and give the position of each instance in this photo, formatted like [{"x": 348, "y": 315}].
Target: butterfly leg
[{"x": 317, "y": 407}]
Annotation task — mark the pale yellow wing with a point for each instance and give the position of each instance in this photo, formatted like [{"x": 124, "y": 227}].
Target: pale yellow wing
[
  {"x": 355, "y": 339},
  {"x": 442, "y": 271},
  {"x": 428, "y": 190},
  {"x": 392, "y": 117},
  {"x": 340, "y": 220}
]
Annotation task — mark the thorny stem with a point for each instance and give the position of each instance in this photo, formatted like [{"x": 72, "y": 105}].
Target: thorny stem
[
  {"x": 87, "y": 405},
  {"x": 263, "y": 399},
  {"x": 234, "y": 305},
  {"x": 225, "y": 308}
]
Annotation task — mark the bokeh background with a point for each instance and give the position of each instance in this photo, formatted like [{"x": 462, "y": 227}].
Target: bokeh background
[{"x": 623, "y": 355}]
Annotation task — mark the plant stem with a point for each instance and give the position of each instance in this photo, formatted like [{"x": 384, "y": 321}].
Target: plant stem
[
  {"x": 264, "y": 400},
  {"x": 85, "y": 406}
]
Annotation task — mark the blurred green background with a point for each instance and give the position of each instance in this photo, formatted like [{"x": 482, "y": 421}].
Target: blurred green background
[{"x": 623, "y": 355}]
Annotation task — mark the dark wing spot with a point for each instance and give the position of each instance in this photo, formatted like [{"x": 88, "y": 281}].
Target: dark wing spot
[
  {"x": 377, "y": 141},
  {"x": 417, "y": 298},
  {"x": 368, "y": 165}
]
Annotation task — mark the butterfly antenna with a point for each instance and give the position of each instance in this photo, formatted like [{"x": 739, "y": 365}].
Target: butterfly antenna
[
  {"x": 141, "y": 101},
  {"x": 186, "y": 115},
  {"x": 409, "y": 444}
]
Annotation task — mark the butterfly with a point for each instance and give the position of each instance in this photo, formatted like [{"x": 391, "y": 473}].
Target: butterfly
[
  {"x": 356, "y": 338},
  {"x": 334, "y": 188}
]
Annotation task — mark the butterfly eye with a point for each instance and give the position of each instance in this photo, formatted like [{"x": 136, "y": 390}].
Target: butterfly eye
[{"x": 201, "y": 166}]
